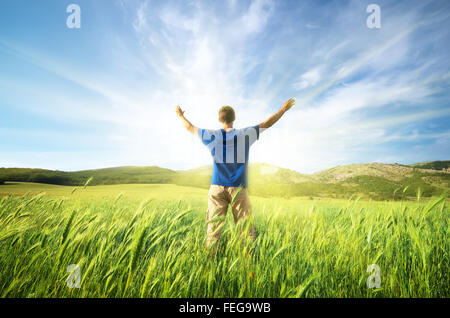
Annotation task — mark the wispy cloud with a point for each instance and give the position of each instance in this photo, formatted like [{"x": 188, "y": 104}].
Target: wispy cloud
[{"x": 308, "y": 79}]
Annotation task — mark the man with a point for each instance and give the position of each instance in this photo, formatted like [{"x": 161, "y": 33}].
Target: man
[{"x": 230, "y": 149}]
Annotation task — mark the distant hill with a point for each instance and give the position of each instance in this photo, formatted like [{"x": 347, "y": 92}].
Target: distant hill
[
  {"x": 116, "y": 175},
  {"x": 435, "y": 165},
  {"x": 371, "y": 180}
]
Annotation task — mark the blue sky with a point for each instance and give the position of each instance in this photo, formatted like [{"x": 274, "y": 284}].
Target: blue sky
[{"x": 104, "y": 95}]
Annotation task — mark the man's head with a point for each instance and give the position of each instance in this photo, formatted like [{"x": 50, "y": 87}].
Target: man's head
[{"x": 226, "y": 115}]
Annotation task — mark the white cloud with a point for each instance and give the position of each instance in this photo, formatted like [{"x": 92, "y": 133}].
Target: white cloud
[
  {"x": 141, "y": 21},
  {"x": 255, "y": 19},
  {"x": 336, "y": 129},
  {"x": 231, "y": 3},
  {"x": 308, "y": 79},
  {"x": 311, "y": 26}
]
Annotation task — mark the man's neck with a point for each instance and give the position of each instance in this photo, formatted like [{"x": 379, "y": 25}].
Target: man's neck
[{"x": 227, "y": 127}]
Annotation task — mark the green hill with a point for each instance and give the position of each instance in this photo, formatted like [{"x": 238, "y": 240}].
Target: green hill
[
  {"x": 116, "y": 175},
  {"x": 435, "y": 165},
  {"x": 370, "y": 180}
]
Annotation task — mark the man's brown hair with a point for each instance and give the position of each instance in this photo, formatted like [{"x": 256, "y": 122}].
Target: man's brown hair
[{"x": 226, "y": 114}]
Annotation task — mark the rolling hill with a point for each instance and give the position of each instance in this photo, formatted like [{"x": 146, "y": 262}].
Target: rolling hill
[
  {"x": 116, "y": 175},
  {"x": 434, "y": 165},
  {"x": 371, "y": 180}
]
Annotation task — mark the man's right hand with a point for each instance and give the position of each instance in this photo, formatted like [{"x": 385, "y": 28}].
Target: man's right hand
[
  {"x": 288, "y": 104},
  {"x": 179, "y": 112}
]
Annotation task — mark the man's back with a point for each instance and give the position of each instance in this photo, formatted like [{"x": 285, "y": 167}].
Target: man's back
[{"x": 230, "y": 151}]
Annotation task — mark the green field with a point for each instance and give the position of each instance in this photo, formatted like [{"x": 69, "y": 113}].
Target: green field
[{"x": 148, "y": 240}]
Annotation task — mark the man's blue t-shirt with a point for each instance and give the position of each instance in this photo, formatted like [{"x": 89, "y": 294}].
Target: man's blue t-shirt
[{"x": 230, "y": 150}]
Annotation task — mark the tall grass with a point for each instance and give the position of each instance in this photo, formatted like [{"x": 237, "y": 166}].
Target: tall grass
[{"x": 126, "y": 248}]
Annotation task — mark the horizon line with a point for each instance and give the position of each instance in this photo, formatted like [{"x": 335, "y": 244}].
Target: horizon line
[{"x": 251, "y": 163}]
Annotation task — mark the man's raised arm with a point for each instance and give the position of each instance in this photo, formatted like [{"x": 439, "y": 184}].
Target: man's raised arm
[
  {"x": 275, "y": 117},
  {"x": 187, "y": 124}
]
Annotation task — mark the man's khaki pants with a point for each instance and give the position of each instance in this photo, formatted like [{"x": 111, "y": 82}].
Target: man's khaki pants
[{"x": 219, "y": 198}]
